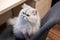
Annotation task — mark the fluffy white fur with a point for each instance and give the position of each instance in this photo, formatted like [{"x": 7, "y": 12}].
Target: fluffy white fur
[{"x": 30, "y": 15}]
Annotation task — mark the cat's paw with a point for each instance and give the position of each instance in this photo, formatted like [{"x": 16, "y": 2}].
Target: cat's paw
[{"x": 12, "y": 21}]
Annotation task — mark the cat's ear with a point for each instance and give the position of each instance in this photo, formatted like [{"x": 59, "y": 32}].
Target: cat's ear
[
  {"x": 24, "y": 6},
  {"x": 35, "y": 12}
]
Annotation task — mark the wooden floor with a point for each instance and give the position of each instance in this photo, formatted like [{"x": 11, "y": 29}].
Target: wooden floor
[{"x": 54, "y": 33}]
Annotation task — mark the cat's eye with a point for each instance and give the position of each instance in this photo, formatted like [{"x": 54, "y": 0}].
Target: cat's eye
[
  {"x": 27, "y": 15},
  {"x": 23, "y": 13}
]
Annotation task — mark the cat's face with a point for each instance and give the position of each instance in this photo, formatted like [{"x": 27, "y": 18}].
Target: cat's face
[{"x": 29, "y": 13}]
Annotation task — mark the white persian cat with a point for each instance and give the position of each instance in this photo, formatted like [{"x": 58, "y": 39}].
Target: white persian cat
[{"x": 28, "y": 21}]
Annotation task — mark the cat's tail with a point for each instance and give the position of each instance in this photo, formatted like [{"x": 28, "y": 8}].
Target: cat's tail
[{"x": 12, "y": 21}]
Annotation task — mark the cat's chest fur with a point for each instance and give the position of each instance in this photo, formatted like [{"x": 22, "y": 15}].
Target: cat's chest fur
[{"x": 26, "y": 26}]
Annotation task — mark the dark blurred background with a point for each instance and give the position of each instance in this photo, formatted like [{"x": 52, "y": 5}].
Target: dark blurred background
[{"x": 54, "y": 1}]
